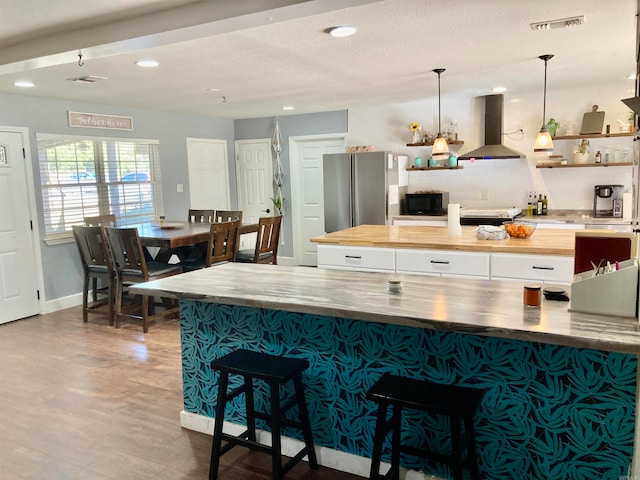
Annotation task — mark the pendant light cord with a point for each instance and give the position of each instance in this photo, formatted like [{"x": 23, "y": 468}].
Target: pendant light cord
[
  {"x": 546, "y": 58},
  {"x": 544, "y": 100},
  {"x": 439, "y": 71}
]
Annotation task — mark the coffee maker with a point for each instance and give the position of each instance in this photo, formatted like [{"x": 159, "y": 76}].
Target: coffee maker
[{"x": 607, "y": 200}]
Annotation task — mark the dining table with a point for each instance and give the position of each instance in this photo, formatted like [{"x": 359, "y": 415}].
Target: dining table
[{"x": 170, "y": 236}]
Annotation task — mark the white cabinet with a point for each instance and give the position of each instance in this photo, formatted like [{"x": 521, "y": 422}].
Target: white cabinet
[
  {"x": 442, "y": 262},
  {"x": 541, "y": 268},
  {"x": 371, "y": 259}
]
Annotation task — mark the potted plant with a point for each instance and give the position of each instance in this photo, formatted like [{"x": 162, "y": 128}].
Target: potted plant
[
  {"x": 552, "y": 126},
  {"x": 581, "y": 152}
]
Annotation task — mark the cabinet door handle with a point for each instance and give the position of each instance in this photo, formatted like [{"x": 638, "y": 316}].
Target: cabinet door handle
[
  {"x": 543, "y": 268},
  {"x": 358, "y": 257},
  {"x": 443, "y": 262}
]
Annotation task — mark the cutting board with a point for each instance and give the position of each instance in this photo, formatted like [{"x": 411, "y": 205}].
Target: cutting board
[{"x": 592, "y": 122}]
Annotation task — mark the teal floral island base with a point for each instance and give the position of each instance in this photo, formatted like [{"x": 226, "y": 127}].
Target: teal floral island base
[{"x": 550, "y": 411}]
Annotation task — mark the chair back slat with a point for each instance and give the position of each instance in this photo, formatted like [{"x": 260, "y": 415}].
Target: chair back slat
[
  {"x": 126, "y": 250},
  {"x": 200, "y": 216},
  {"x": 227, "y": 215},
  {"x": 92, "y": 246},
  {"x": 223, "y": 242},
  {"x": 108, "y": 220},
  {"x": 268, "y": 239}
]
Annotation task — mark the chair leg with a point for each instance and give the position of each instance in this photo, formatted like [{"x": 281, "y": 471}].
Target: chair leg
[
  {"x": 145, "y": 313},
  {"x": 95, "y": 290},
  {"x": 119, "y": 294},
  {"x": 111, "y": 299},
  {"x": 216, "y": 446},
  {"x": 85, "y": 299}
]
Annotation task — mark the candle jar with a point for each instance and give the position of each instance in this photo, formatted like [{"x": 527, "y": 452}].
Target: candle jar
[{"x": 532, "y": 295}]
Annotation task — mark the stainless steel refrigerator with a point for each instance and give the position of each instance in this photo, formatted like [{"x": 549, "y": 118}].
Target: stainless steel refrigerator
[{"x": 362, "y": 188}]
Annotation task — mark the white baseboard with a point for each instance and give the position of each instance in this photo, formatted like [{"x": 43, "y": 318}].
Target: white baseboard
[
  {"x": 62, "y": 303},
  {"x": 286, "y": 261},
  {"x": 327, "y": 457}
]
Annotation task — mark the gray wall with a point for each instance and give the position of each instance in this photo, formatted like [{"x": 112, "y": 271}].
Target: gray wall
[
  {"x": 60, "y": 263},
  {"x": 291, "y": 126}
]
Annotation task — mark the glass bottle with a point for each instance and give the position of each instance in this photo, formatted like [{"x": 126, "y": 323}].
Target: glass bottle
[
  {"x": 539, "y": 205},
  {"x": 545, "y": 205}
]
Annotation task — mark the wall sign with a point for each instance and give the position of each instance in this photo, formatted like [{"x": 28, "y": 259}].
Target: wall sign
[{"x": 96, "y": 120}]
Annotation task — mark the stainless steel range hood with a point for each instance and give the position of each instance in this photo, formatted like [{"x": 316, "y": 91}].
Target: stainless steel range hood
[{"x": 493, "y": 148}]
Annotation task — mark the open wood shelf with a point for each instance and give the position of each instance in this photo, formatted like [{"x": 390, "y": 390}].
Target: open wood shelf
[
  {"x": 577, "y": 165},
  {"x": 430, "y": 144},
  {"x": 594, "y": 135},
  {"x": 459, "y": 167}
]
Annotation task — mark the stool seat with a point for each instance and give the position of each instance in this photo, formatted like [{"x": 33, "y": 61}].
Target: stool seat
[
  {"x": 261, "y": 365},
  {"x": 454, "y": 401},
  {"x": 426, "y": 396},
  {"x": 275, "y": 371}
]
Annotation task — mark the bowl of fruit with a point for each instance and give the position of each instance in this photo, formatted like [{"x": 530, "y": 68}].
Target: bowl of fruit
[{"x": 519, "y": 228}]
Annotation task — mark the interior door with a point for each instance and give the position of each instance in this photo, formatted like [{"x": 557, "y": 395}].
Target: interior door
[
  {"x": 18, "y": 283},
  {"x": 255, "y": 183},
  {"x": 307, "y": 206},
  {"x": 208, "y": 173}
]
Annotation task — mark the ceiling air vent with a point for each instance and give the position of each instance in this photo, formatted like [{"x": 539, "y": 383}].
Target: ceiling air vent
[{"x": 87, "y": 79}]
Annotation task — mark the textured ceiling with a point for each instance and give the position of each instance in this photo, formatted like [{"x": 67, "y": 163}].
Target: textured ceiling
[{"x": 261, "y": 55}]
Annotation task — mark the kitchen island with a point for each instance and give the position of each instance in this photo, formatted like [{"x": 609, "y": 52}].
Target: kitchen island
[
  {"x": 546, "y": 257},
  {"x": 561, "y": 386}
]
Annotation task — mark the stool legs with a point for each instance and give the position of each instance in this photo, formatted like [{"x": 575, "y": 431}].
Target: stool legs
[
  {"x": 276, "y": 459},
  {"x": 217, "y": 429},
  {"x": 275, "y": 421},
  {"x": 306, "y": 424},
  {"x": 456, "y": 448}
]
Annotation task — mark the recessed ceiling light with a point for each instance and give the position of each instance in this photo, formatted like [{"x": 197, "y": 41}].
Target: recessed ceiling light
[
  {"x": 342, "y": 31},
  {"x": 147, "y": 63},
  {"x": 213, "y": 89},
  {"x": 499, "y": 89},
  {"x": 288, "y": 107},
  {"x": 632, "y": 76},
  {"x": 24, "y": 84}
]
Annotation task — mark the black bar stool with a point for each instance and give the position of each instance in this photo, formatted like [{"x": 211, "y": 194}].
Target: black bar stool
[
  {"x": 275, "y": 371},
  {"x": 456, "y": 402}
]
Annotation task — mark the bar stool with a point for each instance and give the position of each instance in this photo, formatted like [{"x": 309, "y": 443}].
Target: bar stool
[
  {"x": 275, "y": 371},
  {"x": 456, "y": 402}
]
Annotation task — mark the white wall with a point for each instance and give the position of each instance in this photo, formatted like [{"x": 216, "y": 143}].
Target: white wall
[{"x": 504, "y": 183}]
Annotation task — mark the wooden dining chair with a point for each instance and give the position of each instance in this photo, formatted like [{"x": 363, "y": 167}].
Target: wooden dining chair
[
  {"x": 227, "y": 215},
  {"x": 200, "y": 216},
  {"x": 222, "y": 246},
  {"x": 131, "y": 267},
  {"x": 267, "y": 242},
  {"x": 108, "y": 220},
  {"x": 96, "y": 266}
]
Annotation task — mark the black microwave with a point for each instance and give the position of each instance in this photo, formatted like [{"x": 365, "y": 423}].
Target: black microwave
[{"x": 431, "y": 203}]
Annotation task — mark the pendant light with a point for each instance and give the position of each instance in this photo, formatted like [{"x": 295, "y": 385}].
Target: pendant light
[
  {"x": 440, "y": 150},
  {"x": 544, "y": 143}
]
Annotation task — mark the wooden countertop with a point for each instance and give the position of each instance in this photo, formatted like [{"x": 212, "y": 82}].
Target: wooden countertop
[
  {"x": 482, "y": 307},
  {"x": 542, "y": 242}
]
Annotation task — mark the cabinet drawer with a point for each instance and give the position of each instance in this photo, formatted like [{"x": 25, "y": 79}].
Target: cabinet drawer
[
  {"x": 442, "y": 262},
  {"x": 358, "y": 258},
  {"x": 542, "y": 268}
]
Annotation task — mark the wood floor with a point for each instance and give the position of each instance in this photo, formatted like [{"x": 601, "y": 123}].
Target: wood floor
[{"x": 91, "y": 402}]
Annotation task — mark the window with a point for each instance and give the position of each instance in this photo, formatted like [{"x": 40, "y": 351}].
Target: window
[{"x": 87, "y": 176}]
